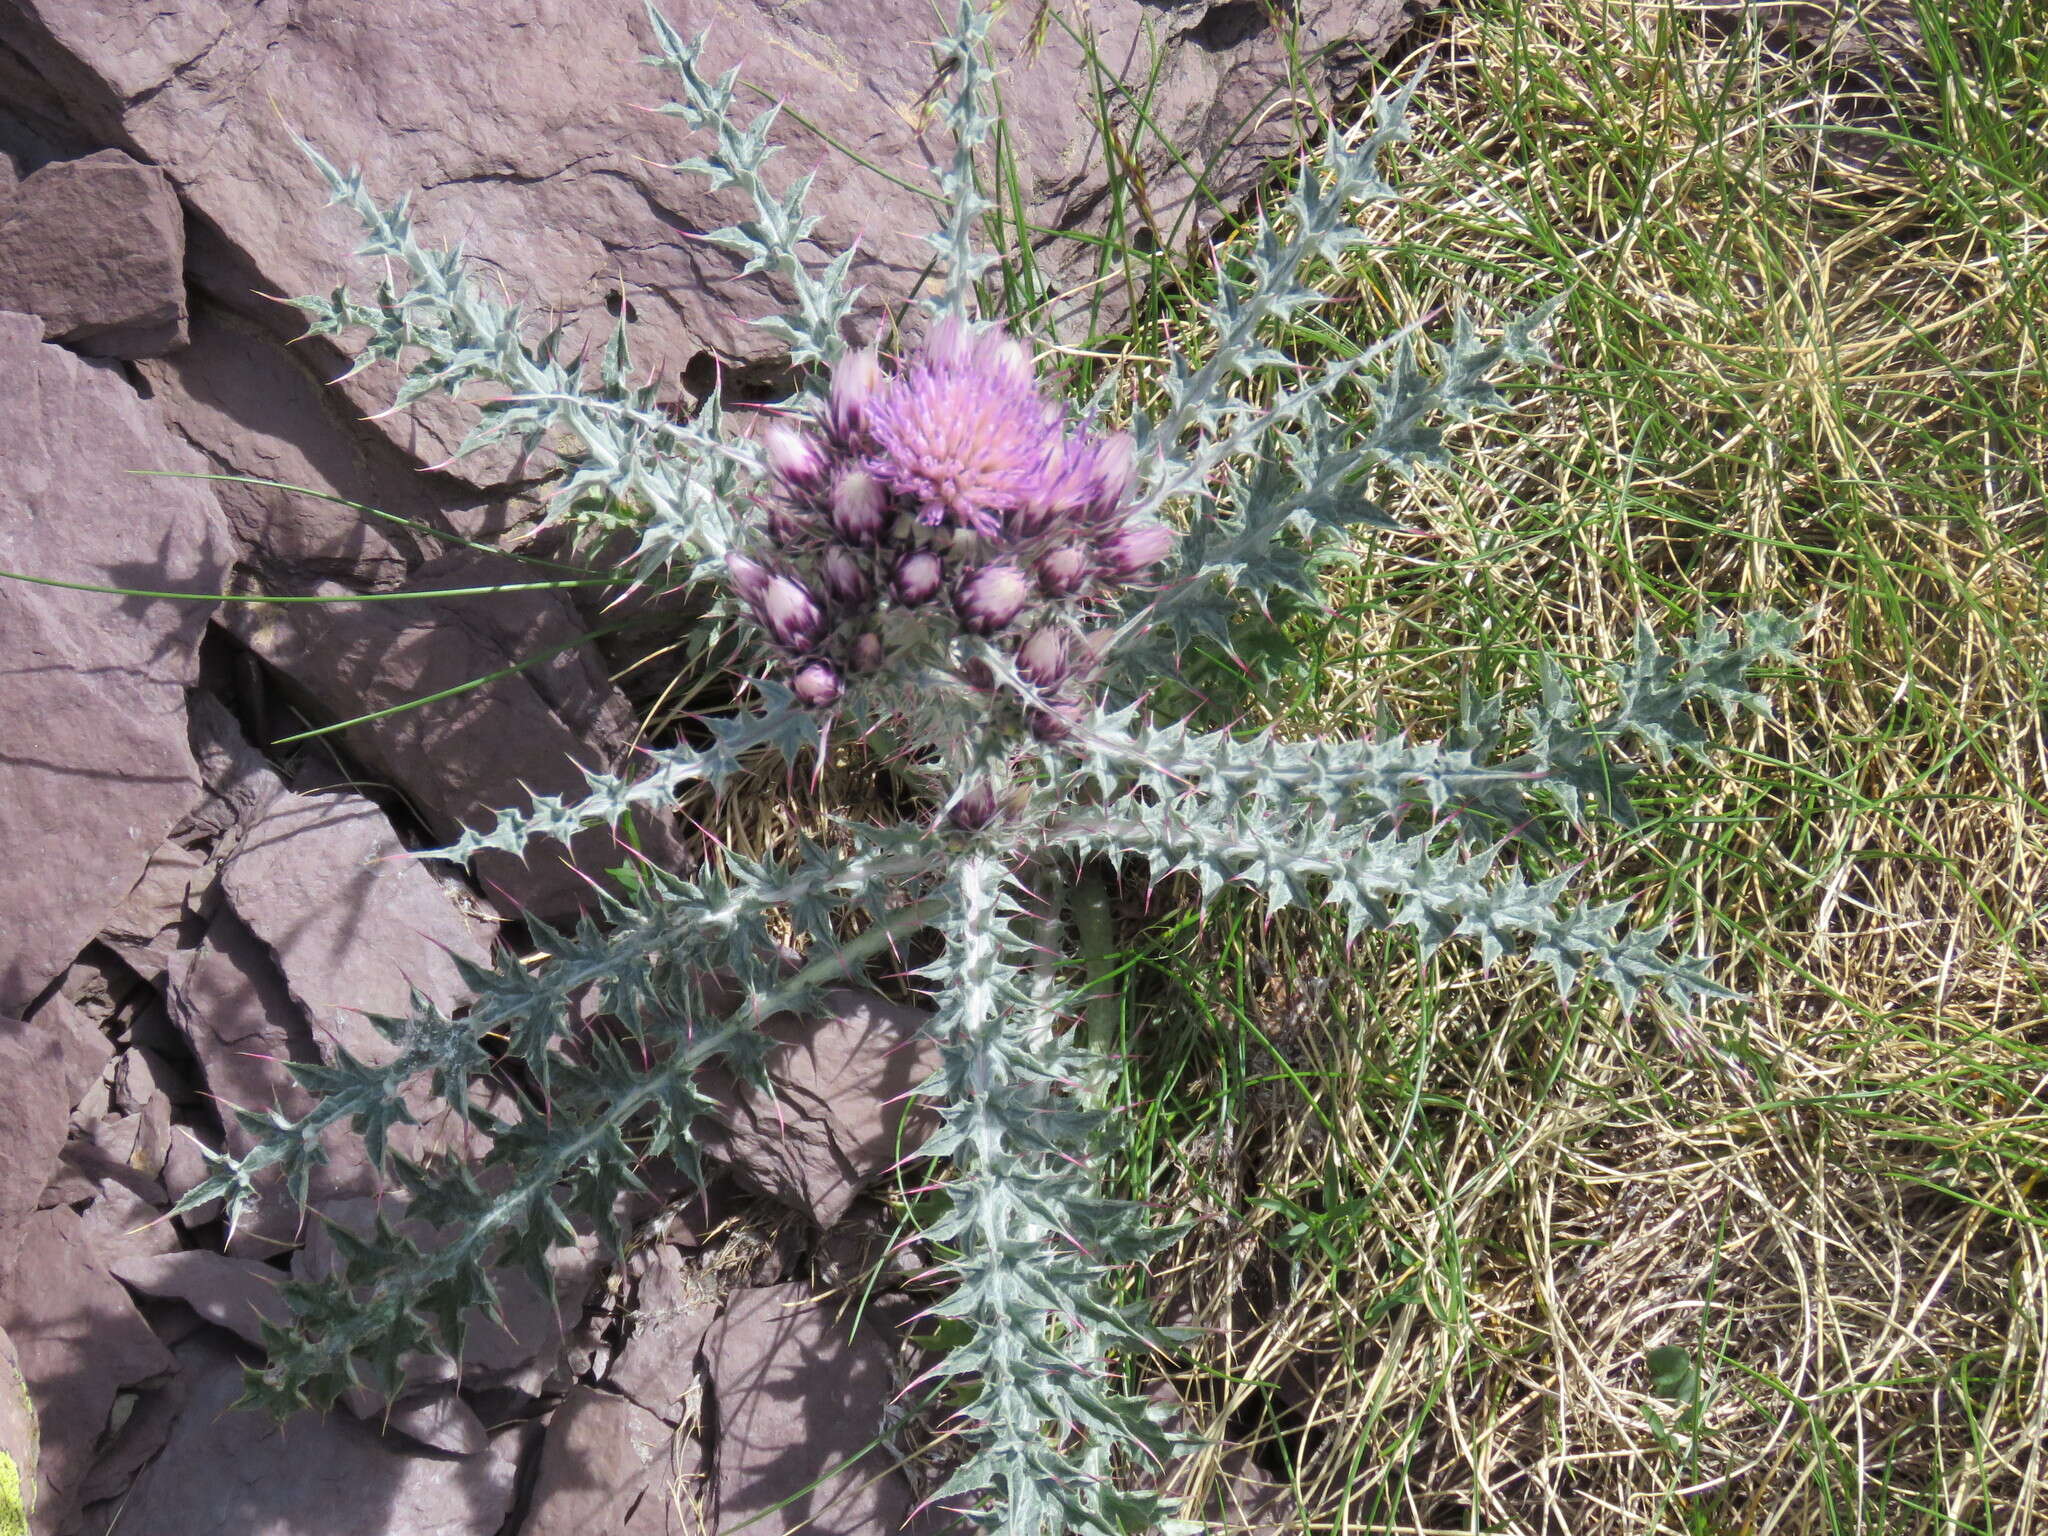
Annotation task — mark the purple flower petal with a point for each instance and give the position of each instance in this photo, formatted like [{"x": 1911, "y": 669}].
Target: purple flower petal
[
  {"x": 1043, "y": 658},
  {"x": 749, "y": 578},
  {"x": 975, "y": 808},
  {"x": 845, "y": 576},
  {"x": 855, "y": 383},
  {"x": 964, "y": 431}
]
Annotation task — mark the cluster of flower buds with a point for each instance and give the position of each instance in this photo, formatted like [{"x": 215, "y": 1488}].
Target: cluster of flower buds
[{"x": 951, "y": 499}]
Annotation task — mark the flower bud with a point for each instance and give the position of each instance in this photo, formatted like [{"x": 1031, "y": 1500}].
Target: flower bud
[
  {"x": 817, "y": 684},
  {"x": 975, "y": 808},
  {"x": 855, "y": 383},
  {"x": 749, "y": 578},
  {"x": 859, "y": 507},
  {"x": 918, "y": 577},
  {"x": 786, "y": 530},
  {"x": 868, "y": 654},
  {"x": 790, "y": 614},
  {"x": 976, "y": 674},
  {"x": 845, "y": 576},
  {"x": 1043, "y": 658},
  {"x": 993, "y": 596},
  {"x": 1033, "y": 518},
  {"x": 1063, "y": 571},
  {"x": 1055, "y": 723},
  {"x": 793, "y": 458},
  {"x": 1003, "y": 353},
  {"x": 949, "y": 343},
  {"x": 1134, "y": 549},
  {"x": 1113, "y": 471}
]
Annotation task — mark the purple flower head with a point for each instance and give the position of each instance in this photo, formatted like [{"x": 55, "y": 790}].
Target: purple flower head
[
  {"x": 992, "y": 597},
  {"x": 787, "y": 530},
  {"x": 817, "y": 684},
  {"x": 1063, "y": 571},
  {"x": 1088, "y": 484},
  {"x": 1112, "y": 472},
  {"x": 790, "y": 614},
  {"x": 1043, "y": 658},
  {"x": 1134, "y": 549},
  {"x": 964, "y": 431},
  {"x": 868, "y": 654},
  {"x": 1056, "y": 722},
  {"x": 793, "y": 459},
  {"x": 918, "y": 577},
  {"x": 855, "y": 383},
  {"x": 749, "y": 578},
  {"x": 975, "y": 808},
  {"x": 845, "y": 577},
  {"x": 859, "y": 507}
]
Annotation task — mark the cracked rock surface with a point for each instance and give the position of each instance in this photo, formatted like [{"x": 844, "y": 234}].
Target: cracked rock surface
[{"x": 212, "y": 801}]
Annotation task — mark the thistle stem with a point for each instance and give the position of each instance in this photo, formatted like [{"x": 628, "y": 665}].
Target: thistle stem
[{"x": 1102, "y": 1014}]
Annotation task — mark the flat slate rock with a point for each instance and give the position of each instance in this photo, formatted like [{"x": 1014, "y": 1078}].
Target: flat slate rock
[
  {"x": 608, "y": 1465},
  {"x": 238, "y": 1472},
  {"x": 523, "y": 140},
  {"x": 80, "y": 1342},
  {"x": 32, "y": 1129},
  {"x": 797, "y": 1400},
  {"x": 17, "y": 1438},
  {"x": 533, "y": 728},
  {"x": 841, "y": 1113},
  {"x": 94, "y": 763},
  {"x": 95, "y": 249},
  {"x": 232, "y": 1004},
  {"x": 355, "y": 924}
]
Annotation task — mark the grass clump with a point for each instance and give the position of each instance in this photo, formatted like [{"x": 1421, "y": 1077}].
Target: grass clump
[{"x": 1467, "y": 1258}]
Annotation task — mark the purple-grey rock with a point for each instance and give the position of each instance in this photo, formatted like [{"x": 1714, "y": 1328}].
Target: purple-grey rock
[
  {"x": 84, "y": 804},
  {"x": 609, "y": 1465},
  {"x": 672, "y": 1307},
  {"x": 232, "y": 1004},
  {"x": 80, "y": 1342},
  {"x": 484, "y": 748},
  {"x": 145, "y": 929},
  {"x": 841, "y": 1114},
  {"x": 85, "y": 1046},
  {"x": 238, "y": 1472},
  {"x": 95, "y": 248},
  {"x": 798, "y": 1399},
  {"x": 17, "y": 1428},
  {"x": 32, "y": 1130},
  {"x": 239, "y": 1295},
  {"x": 258, "y": 410},
  {"x": 437, "y": 1418},
  {"x": 523, "y": 140},
  {"x": 355, "y": 923}
]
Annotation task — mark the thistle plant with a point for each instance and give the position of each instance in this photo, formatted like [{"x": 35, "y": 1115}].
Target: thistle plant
[{"x": 934, "y": 552}]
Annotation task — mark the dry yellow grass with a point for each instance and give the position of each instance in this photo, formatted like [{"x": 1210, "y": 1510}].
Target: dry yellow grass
[{"x": 1442, "y": 1223}]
